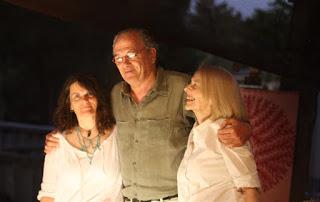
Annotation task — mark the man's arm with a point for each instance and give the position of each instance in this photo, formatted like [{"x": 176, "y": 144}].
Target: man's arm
[
  {"x": 251, "y": 194},
  {"x": 51, "y": 142},
  {"x": 47, "y": 199},
  {"x": 234, "y": 133}
]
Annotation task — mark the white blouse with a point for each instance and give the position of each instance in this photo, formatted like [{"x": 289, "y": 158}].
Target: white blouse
[
  {"x": 69, "y": 176},
  {"x": 211, "y": 171}
]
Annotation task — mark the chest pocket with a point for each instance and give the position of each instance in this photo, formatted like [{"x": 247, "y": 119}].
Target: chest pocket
[{"x": 155, "y": 131}]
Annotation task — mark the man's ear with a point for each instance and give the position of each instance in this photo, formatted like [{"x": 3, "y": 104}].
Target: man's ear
[{"x": 153, "y": 53}]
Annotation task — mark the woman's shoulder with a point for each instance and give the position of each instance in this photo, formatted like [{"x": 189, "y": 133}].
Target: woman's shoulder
[
  {"x": 114, "y": 129},
  {"x": 55, "y": 153},
  {"x": 216, "y": 124},
  {"x": 60, "y": 135},
  {"x": 109, "y": 133},
  {"x": 63, "y": 139}
]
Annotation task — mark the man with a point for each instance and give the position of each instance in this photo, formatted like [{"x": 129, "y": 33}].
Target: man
[{"x": 152, "y": 124}]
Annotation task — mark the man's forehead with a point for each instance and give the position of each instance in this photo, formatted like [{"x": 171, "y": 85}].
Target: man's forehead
[
  {"x": 129, "y": 37},
  {"x": 127, "y": 42}
]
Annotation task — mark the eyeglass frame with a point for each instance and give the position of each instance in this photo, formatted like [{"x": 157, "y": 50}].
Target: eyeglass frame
[{"x": 134, "y": 52}]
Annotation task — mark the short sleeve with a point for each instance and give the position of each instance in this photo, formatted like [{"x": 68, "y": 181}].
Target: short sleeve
[{"x": 241, "y": 165}]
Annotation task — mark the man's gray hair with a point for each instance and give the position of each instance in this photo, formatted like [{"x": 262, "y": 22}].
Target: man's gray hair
[{"x": 146, "y": 37}]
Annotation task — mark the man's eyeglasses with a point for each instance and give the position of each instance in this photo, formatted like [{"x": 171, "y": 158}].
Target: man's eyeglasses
[{"x": 130, "y": 55}]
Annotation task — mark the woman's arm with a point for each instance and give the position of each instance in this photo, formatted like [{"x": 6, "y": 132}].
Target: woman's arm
[
  {"x": 240, "y": 164},
  {"x": 250, "y": 194},
  {"x": 50, "y": 171}
]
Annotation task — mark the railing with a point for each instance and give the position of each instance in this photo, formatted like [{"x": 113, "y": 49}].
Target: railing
[
  {"x": 21, "y": 137},
  {"x": 21, "y": 160}
]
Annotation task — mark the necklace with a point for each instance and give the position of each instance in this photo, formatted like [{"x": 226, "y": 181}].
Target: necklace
[
  {"x": 86, "y": 143},
  {"x": 89, "y": 132}
]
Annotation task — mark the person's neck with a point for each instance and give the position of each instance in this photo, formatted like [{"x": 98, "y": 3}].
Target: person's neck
[
  {"x": 139, "y": 91},
  {"x": 202, "y": 116},
  {"x": 87, "y": 122}
]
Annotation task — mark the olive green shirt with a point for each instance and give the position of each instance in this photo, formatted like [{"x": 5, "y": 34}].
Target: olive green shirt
[{"x": 152, "y": 136}]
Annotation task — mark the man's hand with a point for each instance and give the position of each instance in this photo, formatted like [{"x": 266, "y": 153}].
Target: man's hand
[
  {"x": 51, "y": 142},
  {"x": 251, "y": 194},
  {"x": 234, "y": 133}
]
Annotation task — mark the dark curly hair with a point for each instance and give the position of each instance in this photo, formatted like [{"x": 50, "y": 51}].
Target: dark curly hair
[{"x": 65, "y": 119}]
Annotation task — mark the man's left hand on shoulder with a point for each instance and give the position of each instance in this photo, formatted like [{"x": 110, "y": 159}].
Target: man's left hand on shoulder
[{"x": 234, "y": 133}]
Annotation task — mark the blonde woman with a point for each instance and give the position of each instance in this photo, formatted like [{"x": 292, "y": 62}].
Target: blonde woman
[{"x": 211, "y": 171}]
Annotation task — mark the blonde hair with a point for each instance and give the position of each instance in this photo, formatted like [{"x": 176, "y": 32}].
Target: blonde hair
[{"x": 220, "y": 89}]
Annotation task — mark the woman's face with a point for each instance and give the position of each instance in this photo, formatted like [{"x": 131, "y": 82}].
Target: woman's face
[
  {"x": 194, "y": 97},
  {"x": 83, "y": 102}
]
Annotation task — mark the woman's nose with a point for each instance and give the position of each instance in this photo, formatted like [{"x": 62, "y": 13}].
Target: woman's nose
[
  {"x": 86, "y": 98},
  {"x": 186, "y": 88}
]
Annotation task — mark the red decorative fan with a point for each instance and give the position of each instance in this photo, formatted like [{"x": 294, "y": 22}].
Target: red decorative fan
[{"x": 272, "y": 140}]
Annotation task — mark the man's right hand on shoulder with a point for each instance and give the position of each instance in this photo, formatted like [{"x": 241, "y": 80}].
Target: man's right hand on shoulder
[{"x": 51, "y": 142}]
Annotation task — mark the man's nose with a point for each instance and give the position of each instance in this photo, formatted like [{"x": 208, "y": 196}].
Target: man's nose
[{"x": 125, "y": 60}]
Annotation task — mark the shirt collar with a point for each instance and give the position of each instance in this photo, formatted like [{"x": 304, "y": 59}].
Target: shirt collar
[
  {"x": 207, "y": 123},
  {"x": 204, "y": 124},
  {"x": 160, "y": 86}
]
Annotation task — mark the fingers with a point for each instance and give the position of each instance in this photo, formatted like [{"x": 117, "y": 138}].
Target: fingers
[
  {"x": 51, "y": 142},
  {"x": 50, "y": 146},
  {"x": 224, "y": 124},
  {"x": 51, "y": 133},
  {"x": 228, "y": 123},
  {"x": 227, "y": 134},
  {"x": 229, "y": 141},
  {"x": 227, "y": 130},
  {"x": 48, "y": 149},
  {"x": 51, "y": 138}
]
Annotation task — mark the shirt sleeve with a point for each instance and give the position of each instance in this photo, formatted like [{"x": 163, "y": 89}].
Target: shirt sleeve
[
  {"x": 50, "y": 170},
  {"x": 240, "y": 164}
]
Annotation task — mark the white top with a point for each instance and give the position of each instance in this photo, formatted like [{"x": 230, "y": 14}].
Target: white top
[
  {"x": 69, "y": 176},
  {"x": 211, "y": 171}
]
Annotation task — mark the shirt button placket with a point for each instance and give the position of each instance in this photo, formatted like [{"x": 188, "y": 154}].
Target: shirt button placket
[{"x": 136, "y": 149}]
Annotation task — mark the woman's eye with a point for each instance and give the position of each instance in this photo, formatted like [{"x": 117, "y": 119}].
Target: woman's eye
[
  {"x": 76, "y": 98},
  {"x": 90, "y": 95}
]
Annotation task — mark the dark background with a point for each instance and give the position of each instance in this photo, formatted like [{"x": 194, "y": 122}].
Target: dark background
[
  {"x": 37, "y": 52},
  {"x": 43, "y": 42}
]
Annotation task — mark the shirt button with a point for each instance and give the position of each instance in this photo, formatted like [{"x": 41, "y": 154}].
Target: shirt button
[
  {"x": 137, "y": 141},
  {"x": 134, "y": 163}
]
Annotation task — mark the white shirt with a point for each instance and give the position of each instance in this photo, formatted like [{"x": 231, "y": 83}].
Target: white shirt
[
  {"x": 69, "y": 176},
  {"x": 210, "y": 171}
]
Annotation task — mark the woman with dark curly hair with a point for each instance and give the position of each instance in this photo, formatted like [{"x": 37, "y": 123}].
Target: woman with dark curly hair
[{"x": 85, "y": 165}]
